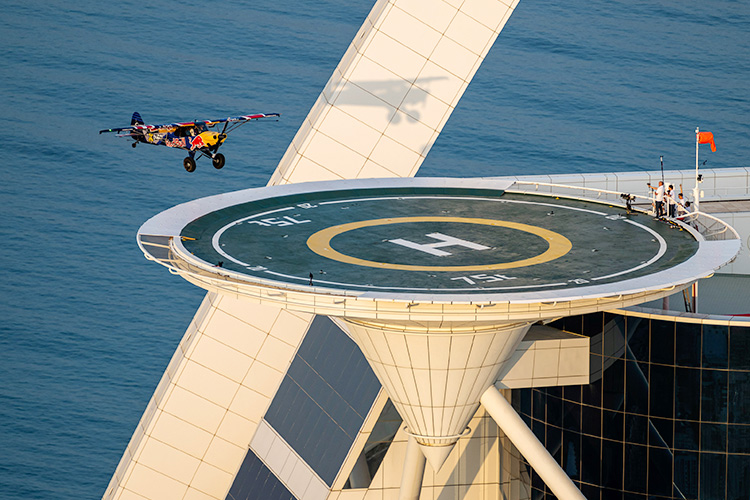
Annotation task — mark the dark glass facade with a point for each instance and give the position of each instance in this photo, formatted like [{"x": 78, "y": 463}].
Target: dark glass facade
[
  {"x": 666, "y": 416},
  {"x": 254, "y": 480},
  {"x": 324, "y": 398}
]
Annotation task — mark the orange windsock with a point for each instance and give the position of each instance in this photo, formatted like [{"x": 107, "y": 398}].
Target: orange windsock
[{"x": 707, "y": 138}]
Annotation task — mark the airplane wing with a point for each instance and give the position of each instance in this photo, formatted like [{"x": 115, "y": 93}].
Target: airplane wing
[
  {"x": 166, "y": 127},
  {"x": 244, "y": 118},
  {"x": 169, "y": 127}
]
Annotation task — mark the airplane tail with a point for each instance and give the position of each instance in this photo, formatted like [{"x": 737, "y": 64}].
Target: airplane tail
[{"x": 136, "y": 120}]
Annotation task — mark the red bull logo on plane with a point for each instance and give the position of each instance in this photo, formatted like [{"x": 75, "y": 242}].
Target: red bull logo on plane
[{"x": 197, "y": 142}]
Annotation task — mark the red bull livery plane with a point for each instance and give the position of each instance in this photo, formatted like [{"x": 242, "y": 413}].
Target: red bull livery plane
[{"x": 194, "y": 137}]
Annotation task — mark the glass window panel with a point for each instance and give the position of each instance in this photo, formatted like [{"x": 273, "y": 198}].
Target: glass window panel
[
  {"x": 739, "y": 397},
  {"x": 592, "y": 324},
  {"x": 572, "y": 416},
  {"x": 589, "y": 491},
  {"x": 638, "y": 338},
  {"x": 687, "y": 393},
  {"x": 522, "y": 401},
  {"x": 611, "y": 495},
  {"x": 591, "y": 462},
  {"x": 686, "y": 435},
  {"x": 612, "y": 423},
  {"x": 381, "y": 437},
  {"x": 255, "y": 480},
  {"x": 571, "y": 454},
  {"x": 714, "y": 396},
  {"x": 572, "y": 324},
  {"x": 539, "y": 399},
  {"x": 739, "y": 348},
  {"x": 715, "y": 346},
  {"x": 537, "y": 483},
  {"x": 738, "y": 476},
  {"x": 612, "y": 452},
  {"x": 686, "y": 473},
  {"x": 595, "y": 345},
  {"x": 592, "y": 394},
  {"x": 688, "y": 348},
  {"x": 635, "y": 468},
  {"x": 614, "y": 386},
  {"x": 572, "y": 393},
  {"x": 644, "y": 367},
  {"x": 554, "y": 442},
  {"x": 614, "y": 338},
  {"x": 636, "y": 429},
  {"x": 555, "y": 392},
  {"x": 661, "y": 432},
  {"x": 713, "y": 437},
  {"x": 713, "y": 476},
  {"x": 554, "y": 411},
  {"x": 659, "y": 471},
  {"x": 591, "y": 420},
  {"x": 662, "y": 391},
  {"x": 540, "y": 429},
  {"x": 633, "y": 496},
  {"x": 739, "y": 439},
  {"x": 527, "y": 420},
  {"x": 662, "y": 342},
  {"x": 636, "y": 392}
]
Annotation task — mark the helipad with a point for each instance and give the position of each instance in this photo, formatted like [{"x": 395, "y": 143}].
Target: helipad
[
  {"x": 436, "y": 240},
  {"x": 424, "y": 236}
]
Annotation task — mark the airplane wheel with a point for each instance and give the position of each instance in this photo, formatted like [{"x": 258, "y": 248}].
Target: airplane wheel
[
  {"x": 189, "y": 164},
  {"x": 134, "y": 144},
  {"x": 219, "y": 161}
]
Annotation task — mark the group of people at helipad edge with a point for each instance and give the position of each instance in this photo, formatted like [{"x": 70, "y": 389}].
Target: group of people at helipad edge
[{"x": 665, "y": 203}]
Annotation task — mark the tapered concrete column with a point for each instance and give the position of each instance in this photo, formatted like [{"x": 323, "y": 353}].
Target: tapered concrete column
[
  {"x": 411, "y": 479},
  {"x": 524, "y": 439},
  {"x": 435, "y": 374}
]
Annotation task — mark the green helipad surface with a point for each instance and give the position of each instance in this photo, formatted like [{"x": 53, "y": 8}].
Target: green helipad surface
[{"x": 435, "y": 240}]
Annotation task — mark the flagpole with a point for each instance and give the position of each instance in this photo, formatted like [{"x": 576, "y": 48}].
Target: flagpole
[{"x": 696, "y": 191}]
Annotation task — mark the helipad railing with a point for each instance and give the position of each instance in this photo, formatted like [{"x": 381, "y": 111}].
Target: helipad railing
[{"x": 708, "y": 226}]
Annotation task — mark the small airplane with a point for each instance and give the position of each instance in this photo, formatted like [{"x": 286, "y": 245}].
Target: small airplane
[{"x": 194, "y": 137}]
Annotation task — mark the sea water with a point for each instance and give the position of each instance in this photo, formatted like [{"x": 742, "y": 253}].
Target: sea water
[{"x": 87, "y": 325}]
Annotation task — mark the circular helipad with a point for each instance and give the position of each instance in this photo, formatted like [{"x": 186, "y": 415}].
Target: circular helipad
[{"x": 419, "y": 238}]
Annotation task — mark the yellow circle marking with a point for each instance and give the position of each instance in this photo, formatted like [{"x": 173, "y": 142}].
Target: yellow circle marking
[{"x": 320, "y": 243}]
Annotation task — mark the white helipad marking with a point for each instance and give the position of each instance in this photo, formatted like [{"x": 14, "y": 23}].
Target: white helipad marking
[{"x": 443, "y": 241}]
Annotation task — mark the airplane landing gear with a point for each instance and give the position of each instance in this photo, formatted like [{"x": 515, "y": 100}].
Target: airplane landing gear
[
  {"x": 189, "y": 164},
  {"x": 219, "y": 161},
  {"x": 134, "y": 144}
]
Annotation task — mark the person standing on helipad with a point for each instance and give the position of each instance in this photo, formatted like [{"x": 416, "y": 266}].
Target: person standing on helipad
[
  {"x": 671, "y": 202},
  {"x": 659, "y": 199},
  {"x": 683, "y": 206}
]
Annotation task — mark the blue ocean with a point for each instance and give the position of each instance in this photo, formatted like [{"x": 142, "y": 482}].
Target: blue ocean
[{"x": 87, "y": 325}]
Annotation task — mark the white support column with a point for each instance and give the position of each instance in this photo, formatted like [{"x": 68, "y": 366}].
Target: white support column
[
  {"x": 529, "y": 446},
  {"x": 411, "y": 479},
  {"x": 197, "y": 427}
]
